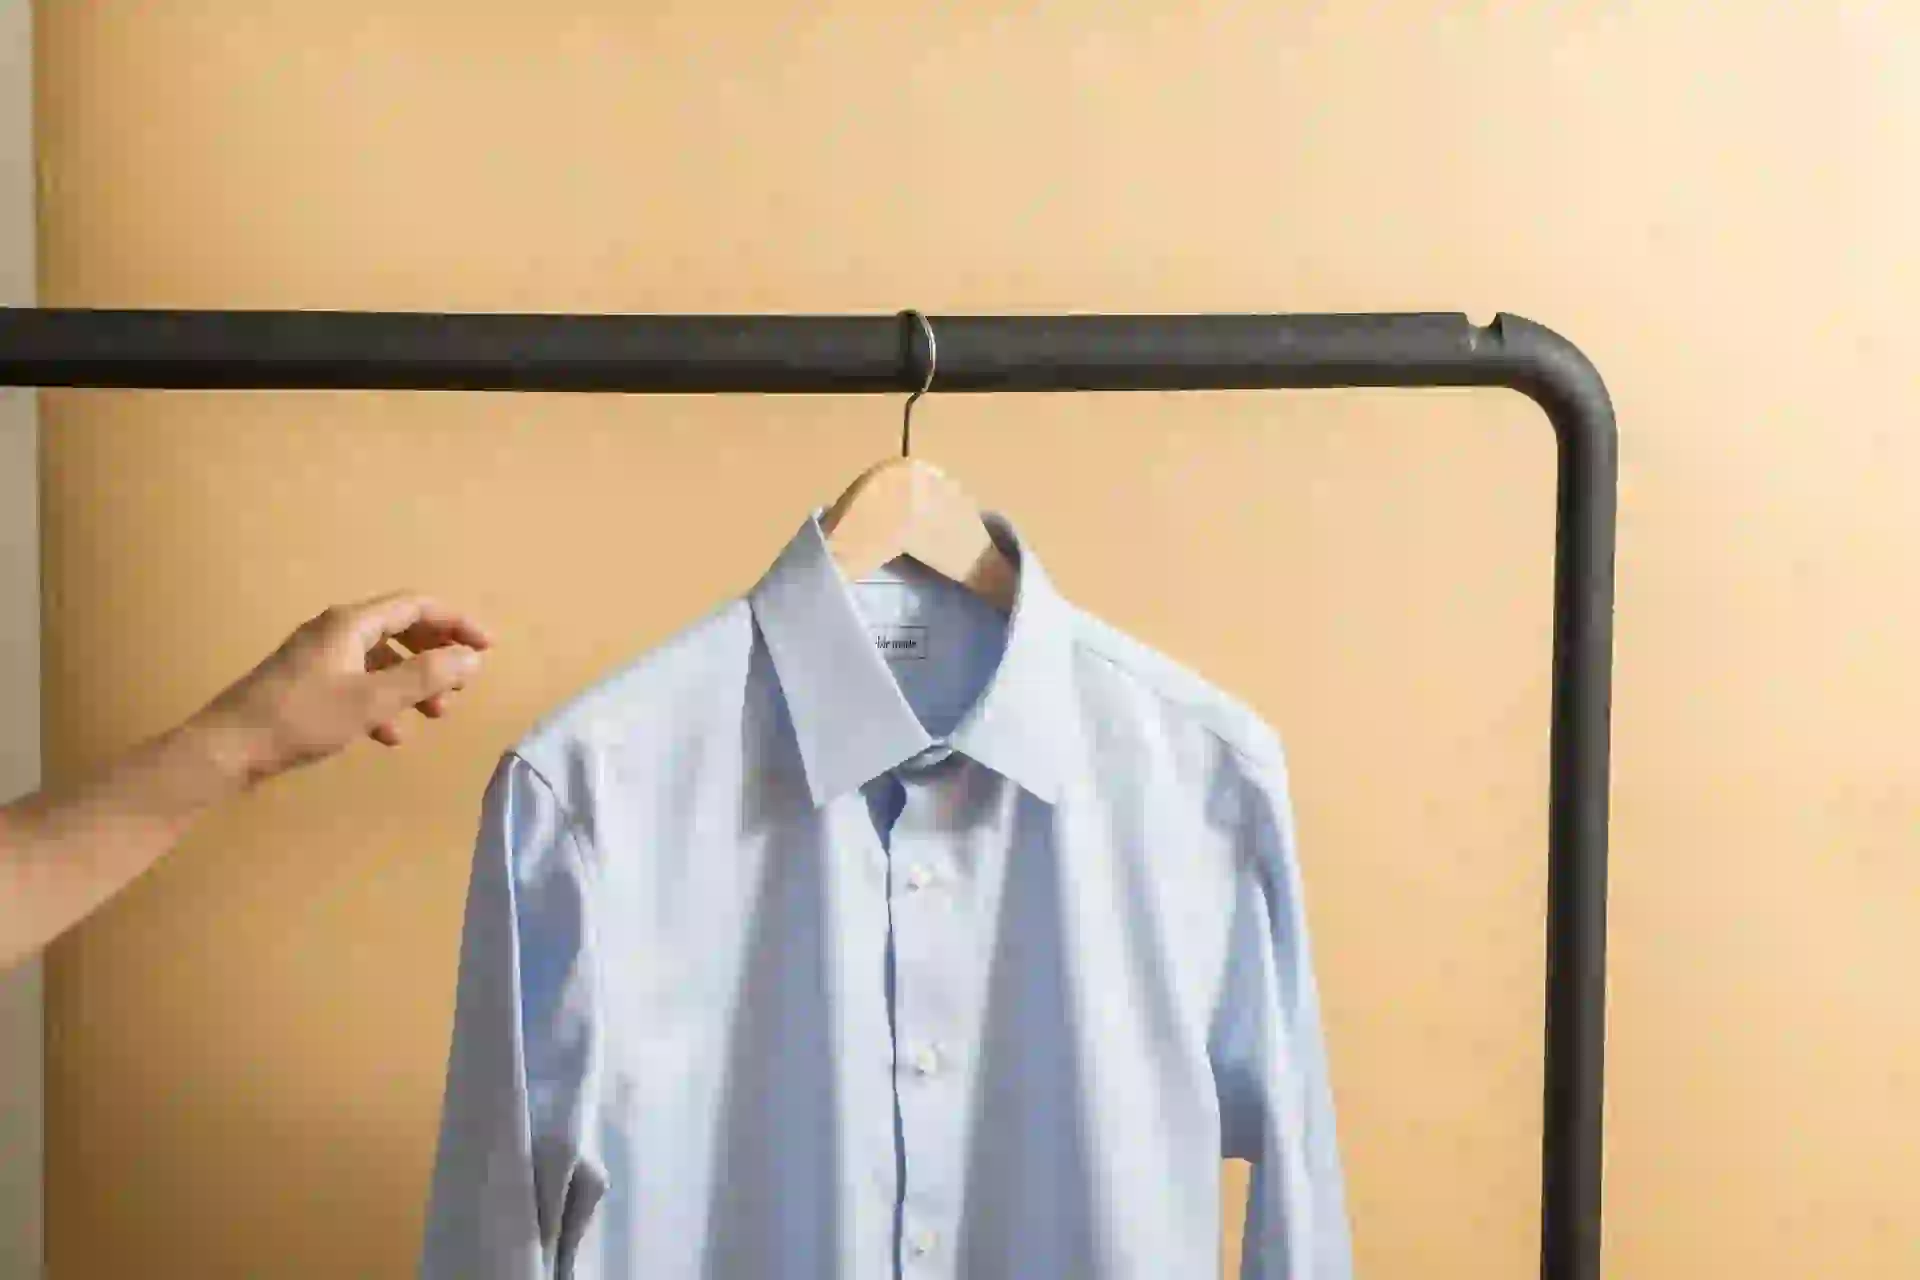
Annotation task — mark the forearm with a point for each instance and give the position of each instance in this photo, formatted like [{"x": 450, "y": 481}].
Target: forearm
[
  {"x": 336, "y": 678},
  {"x": 66, "y": 850}
]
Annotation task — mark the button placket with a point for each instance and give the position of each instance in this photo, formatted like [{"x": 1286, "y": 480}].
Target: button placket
[
  {"x": 863, "y": 831},
  {"x": 924, "y": 999}
]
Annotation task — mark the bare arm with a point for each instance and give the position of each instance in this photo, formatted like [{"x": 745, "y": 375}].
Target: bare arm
[{"x": 64, "y": 852}]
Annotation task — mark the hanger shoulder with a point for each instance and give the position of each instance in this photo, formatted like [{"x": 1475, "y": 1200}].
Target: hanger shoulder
[
  {"x": 904, "y": 507},
  {"x": 868, "y": 524}
]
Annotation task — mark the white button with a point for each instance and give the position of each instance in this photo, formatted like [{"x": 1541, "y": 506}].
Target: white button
[
  {"x": 919, "y": 876},
  {"x": 923, "y": 1242},
  {"x": 927, "y": 1060}
]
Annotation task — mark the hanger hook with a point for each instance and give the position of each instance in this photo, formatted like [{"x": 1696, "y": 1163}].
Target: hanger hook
[{"x": 933, "y": 364}]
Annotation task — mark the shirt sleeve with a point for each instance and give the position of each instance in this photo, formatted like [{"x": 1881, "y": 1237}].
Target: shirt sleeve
[
  {"x": 515, "y": 1181},
  {"x": 1276, "y": 1100}
]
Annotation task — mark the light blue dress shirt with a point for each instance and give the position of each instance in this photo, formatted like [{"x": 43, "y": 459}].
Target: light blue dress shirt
[{"x": 860, "y": 933}]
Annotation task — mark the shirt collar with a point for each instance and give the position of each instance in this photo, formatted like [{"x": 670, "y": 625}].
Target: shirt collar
[{"x": 850, "y": 719}]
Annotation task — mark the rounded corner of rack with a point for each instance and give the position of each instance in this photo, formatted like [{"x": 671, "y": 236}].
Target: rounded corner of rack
[{"x": 1556, "y": 374}]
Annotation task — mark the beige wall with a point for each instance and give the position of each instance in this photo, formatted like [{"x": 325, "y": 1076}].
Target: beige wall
[
  {"x": 1718, "y": 202},
  {"x": 20, "y": 1057}
]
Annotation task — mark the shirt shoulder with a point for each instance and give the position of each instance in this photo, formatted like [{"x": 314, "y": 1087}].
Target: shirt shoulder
[
  {"x": 1183, "y": 694},
  {"x": 670, "y": 689}
]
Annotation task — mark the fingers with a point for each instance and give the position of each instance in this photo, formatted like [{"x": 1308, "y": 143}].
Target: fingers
[
  {"x": 380, "y": 658},
  {"x": 427, "y": 628},
  {"x": 433, "y": 635},
  {"x": 445, "y": 650},
  {"x": 384, "y": 656},
  {"x": 417, "y": 621},
  {"x": 416, "y": 681}
]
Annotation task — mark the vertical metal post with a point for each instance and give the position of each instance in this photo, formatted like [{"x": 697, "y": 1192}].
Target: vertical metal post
[{"x": 1566, "y": 385}]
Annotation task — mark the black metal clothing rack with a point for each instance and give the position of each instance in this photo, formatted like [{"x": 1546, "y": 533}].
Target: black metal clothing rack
[{"x": 322, "y": 350}]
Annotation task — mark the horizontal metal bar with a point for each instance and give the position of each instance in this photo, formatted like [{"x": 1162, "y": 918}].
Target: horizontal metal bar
[{"x": 335, "y": 350}]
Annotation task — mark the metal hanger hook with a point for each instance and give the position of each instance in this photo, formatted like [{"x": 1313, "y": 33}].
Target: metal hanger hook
[{"x": 933, "y": 364}]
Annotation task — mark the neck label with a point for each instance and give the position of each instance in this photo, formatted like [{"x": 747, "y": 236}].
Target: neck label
[{"x": 900, "y": 643}]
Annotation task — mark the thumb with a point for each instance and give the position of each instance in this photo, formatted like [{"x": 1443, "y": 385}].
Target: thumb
[{"x": 420, "y": 677}]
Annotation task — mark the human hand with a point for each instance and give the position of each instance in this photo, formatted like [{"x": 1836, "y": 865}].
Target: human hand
[{"x": 339, "y": 676}]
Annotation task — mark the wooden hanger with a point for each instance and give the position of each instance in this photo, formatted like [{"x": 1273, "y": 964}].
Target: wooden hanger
[{"x": 905, "y": 507}]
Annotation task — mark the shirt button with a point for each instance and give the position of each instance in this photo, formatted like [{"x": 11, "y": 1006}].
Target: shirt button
[
  {"x": 923, "y": 1242},
  {"x": 927, "y": 1060},
  {"x": 919, "y": 876}
]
